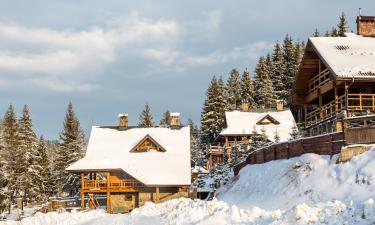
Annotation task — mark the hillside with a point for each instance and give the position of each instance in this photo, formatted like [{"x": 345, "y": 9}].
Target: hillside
[{"x": 310, "y": 189}]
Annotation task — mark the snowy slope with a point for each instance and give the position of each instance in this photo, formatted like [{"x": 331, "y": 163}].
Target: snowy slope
[
  {"x": 306, "y": 190},
  {"x": 310, "y": 178}
]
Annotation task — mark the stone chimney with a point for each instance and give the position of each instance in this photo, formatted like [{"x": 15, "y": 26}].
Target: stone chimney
[
  {"x": 279, "y": 105},
  {"x": 175, "y": 121},
  {"x": 366, "y": 26},
  {"x": 122, "y": 121},
  {"x": 245, "y": 106}
]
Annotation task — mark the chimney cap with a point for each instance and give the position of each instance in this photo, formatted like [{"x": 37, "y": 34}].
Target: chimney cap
[
  {"x": 122, "y": 114},
  {"x": 174, "y": 114}
]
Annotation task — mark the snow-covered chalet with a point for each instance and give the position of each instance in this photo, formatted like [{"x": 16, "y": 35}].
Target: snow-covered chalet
[
  {"x": 334, "y": 89},
  {"x": 132, "y": 164},
  {"x": 277, "y": 122}
]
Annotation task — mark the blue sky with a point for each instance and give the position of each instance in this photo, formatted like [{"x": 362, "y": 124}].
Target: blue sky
[{"x": 111, "y": 57}]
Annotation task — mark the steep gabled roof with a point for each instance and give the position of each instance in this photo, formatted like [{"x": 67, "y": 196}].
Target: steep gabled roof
[
  {"x": 244, "y": 123},
  {"x": 110, "y": 148},
  {"x": 267, "y": 119}
]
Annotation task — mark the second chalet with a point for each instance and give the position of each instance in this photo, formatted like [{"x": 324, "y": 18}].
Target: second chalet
[{"x": 132, "y": 165}]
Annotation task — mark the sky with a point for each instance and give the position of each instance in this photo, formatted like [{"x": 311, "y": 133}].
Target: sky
[{"x": 110, "y": 57}]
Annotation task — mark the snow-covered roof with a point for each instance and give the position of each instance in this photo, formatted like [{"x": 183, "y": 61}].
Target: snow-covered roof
[
  {"x": 240, "y": 123},
  {"x": 109, "y": 148},
  {"x": 347, "y": 57},
  {"x": 174, "y": 114},
  {"x": 198, "y": 169}
]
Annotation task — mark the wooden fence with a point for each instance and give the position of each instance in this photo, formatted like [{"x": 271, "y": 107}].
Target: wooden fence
[{"x": 328, "y": 144}]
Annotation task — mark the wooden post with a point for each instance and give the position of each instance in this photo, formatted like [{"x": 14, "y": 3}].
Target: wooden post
[
  {"x": 336, "y": 98},
  {"x": 305, "y": 108},
  {"x": 346, "y": 97},
  {"x": 108, "y": 195},
  {"x": 157, "y": 194},
  {"x": 82, "y": 190}
]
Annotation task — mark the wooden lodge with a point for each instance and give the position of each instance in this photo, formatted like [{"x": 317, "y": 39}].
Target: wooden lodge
[
  {"x": 133, "y": 165},
  {"x": 334, "y": 89},
  {"x": 241, "y": 126}
]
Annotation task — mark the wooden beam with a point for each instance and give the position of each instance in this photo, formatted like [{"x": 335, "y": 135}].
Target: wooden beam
[
  {"x": 157, "y": 197},
  {"x": 108, "y": 194},
  {"x": 82, "y": 191}
]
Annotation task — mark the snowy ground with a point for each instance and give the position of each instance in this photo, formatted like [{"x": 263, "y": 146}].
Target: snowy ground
[{"x": 310, "y": 189}]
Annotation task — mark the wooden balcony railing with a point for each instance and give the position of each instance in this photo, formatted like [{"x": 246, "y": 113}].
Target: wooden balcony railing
[
  {"x": 216, "y": 150},
  {"x": 110, "y": 185},
  {"x": 361, "y": 102},
  {"x": 318, "y": 81},
  {"x": 325, "y": 111},
  {"x": 355, "y": 102}
]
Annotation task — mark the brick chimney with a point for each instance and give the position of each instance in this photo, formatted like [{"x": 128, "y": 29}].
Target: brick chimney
[
  {"x": 175, "y": 121},
  {"x": 279, "y": 105},
  {"x": 366, "y": 26},
  {"x": 122, "y": 121}
]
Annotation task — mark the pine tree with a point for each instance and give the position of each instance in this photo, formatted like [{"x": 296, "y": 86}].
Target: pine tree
[
  {"x": 334, "y": 32},
  {"x": 212, "y": 116},
  {"x": 197, "y": 154},
  {"x": 263, "y": 85},
  {"x": 296, "y": 134},
  {"x": 277, "y": 137},
  {"x": 342, "y": 26},
  {"x": 10, "y": 152},
  {"x": 316, "y": 33},
  {"x": 278, "y": 75},
  {"x": 145, "y": 119},
  {"x": 291, "y": 67},
  {"x": 41, "y": 173},
  {"x": 233, "y": 91},
  {"x": 4, "y": 198},
  {"x": 166, "y": 120},
  {"x": 27, "y": 148},
  {"x": 247, "y": 89},
  {"x": 70, "y": 149}
]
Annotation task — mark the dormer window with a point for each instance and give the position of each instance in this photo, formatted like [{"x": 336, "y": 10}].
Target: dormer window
[
  {"x": 147, "y": 144},
  {"x": 268, "y": 120}
]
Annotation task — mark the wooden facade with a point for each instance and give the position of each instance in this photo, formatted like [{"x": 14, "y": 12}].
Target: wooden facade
[
  {"x": 324, "y": 99},
  {"x": 123, "y": 193}
]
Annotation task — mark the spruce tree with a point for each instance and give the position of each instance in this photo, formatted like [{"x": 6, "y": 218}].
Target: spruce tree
[
  {"x": 27, "y": 147},
  {"x": 263, "y": 85},
  {"x": 70, "y": 149},
  {"x": 212, "y": 116},
  {"x": 10, "y": 153},
  {"x": 291, "y": 67},
  {"x": 316, "y": 33},
  {"x": 197, "y": 154},
  {"x": 278, "y": 74},
  {"x": 342, "y": 26},
  {"x": 4, "y": 198},
  {"x": 247, "y": 89},
  {"x": 166, "y": 120},
  {"x": 145, "y": 119},
  {"x": 233, "y": 91},
  {"x": 41, "y": 173},
  {"x": 334, "y": 32}
]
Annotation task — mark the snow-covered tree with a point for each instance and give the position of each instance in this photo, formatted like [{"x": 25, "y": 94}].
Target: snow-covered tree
[
  {"x": 4, "y": 198},
  {"x": 291, "y": 66},
  {"x": 247, "y": 89},
  {"x": 26, "y": 149},
  {"x": 233, "y": 91},
  {"x": 196, "y": 150},
  {"x": 264, "y": 97},
  {"x": 212, "y": 116},
  {"x": 278, "y": 73},
  {"x": 10, "y": 153},
  {"x": 277, "y": 137},
  {"x": 70, "y": 149},
  {"x": 296, "y": 133},
  {"x": 334, "y": 32},
  {"x": 342, "y": 26},
  {"x": 166, "y": 120},
  {"x": 41, "y": 173},
  {"x": 316, "y": 33},
  {"x": 145, "y": 119}
]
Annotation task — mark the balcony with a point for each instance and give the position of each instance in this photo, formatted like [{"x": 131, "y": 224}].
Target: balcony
[
  {"x": 355, "y": 102},
  {"x": 110, "y": 185}
]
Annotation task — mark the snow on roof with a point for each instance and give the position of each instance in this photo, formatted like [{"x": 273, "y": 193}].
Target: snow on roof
[
  {"x": 109, "y": 148},
  {"x": 122, "y": 114},
  {"x": 239, "y": 123},
  {"x": 351, "y": 56},
  {"x": 174, "y": 114}
]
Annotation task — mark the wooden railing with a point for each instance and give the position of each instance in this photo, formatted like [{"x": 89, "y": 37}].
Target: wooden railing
[
  {"x": 361, "y": 102},
  {"x": 216, "y": 150},
  {"x": 325, "y": 111},
  {"x": 112, "y": 184},
  {"x": 318, "y": 81}
]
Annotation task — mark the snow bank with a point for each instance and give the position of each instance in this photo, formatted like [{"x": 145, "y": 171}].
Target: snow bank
[{"x": 311, "y": 179}]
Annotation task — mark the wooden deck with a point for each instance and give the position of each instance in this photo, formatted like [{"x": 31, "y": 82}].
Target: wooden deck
[{"x": 111, "y": 185}]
